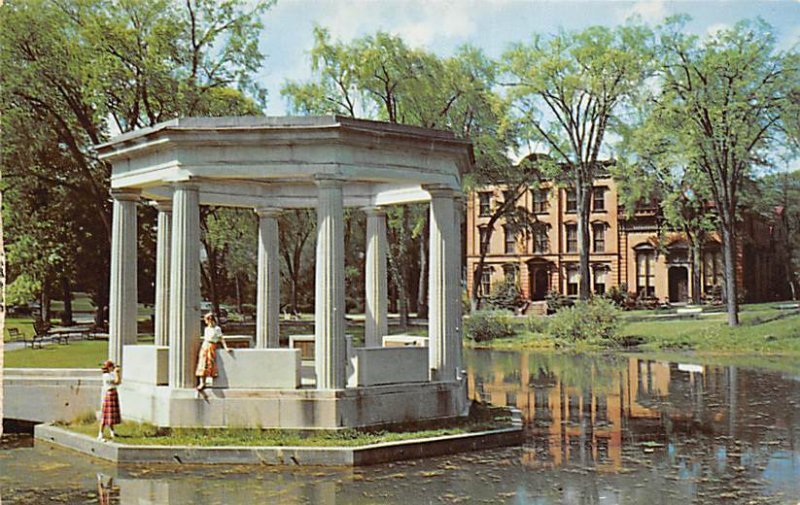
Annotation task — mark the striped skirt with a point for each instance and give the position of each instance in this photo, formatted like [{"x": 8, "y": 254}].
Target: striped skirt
[
  {"x": 111, "y": 414},
  {"x": 207, "y": 361}
]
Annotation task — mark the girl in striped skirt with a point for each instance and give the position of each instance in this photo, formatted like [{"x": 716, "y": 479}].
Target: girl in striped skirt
[
  {"x": 207, "y": 358},
  {"x": 109, "y": 411}
]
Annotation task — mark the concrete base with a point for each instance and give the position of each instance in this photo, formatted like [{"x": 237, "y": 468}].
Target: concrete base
[
  {"x": 293, "y": 408},
  {"x": 50, "y": 394},
  {"x": 320, "y": 456},
  {"x": 372, "y": 366}
]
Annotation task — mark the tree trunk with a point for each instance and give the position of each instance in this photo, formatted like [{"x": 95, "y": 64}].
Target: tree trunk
[
  {"x": 66, "y": 290},
  {"x": 729, "y": 256},
  {"x": 583, "y": 196},
  {"x": 697, "y": 261},
  {"x": 44, "y": 308},
  {"x": 238, "y": 294},
  {"x": 422, "y": 291},
  {"x": 400, "y": 290}
]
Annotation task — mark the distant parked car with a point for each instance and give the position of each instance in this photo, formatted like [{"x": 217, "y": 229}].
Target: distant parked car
[{"x": 206, "y": 307}]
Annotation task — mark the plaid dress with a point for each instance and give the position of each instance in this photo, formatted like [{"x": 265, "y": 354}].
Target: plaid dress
[{"x": 110, "y": 409}]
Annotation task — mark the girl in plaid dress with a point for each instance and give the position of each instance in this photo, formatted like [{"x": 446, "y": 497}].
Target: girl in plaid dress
[
  {"x": 109, "y": 415},
  {"x": 207, "y": 360}
]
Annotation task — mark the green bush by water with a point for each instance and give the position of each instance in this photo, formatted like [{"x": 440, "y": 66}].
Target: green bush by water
[
  {"x": 597, "y": 319},
  {"x": 485, "y": 325}
]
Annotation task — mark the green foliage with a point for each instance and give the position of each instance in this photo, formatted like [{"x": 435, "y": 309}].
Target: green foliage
[
  {"x": 485, "y": 325},
  {"x": 717, "y": 111},
  {"x": 535, "y": 323},
  {"x": 568, "y": 91},
  {"x": 556, "y": 301},
  {"x": 596, "y": 319},
  {"x": 617, "y": 294},
  {"x": 505, "y": 295},
  {"x": 73, "y": 69}
]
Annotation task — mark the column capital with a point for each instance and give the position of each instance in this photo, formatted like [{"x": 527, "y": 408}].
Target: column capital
[
  {"x": 162, "y": 205},
  {"x": 186, "y": 185},
  {"x": 374, "y": 211},
  {"x": 329, "y": 180},
  {"x": 126, "y": 194},
  {"x": 268, "y": 211},
  {"x": 441, "y": 191}
]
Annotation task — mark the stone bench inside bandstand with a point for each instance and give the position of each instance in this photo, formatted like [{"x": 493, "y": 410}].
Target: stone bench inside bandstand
[{"x": 239, "y": 369}]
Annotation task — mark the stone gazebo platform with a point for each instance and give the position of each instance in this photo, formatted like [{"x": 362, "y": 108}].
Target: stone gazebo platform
[{"x": 269, "y": 164}]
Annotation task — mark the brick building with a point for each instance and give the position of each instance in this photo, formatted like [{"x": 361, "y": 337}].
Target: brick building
[{"x": 623, "y": 250}]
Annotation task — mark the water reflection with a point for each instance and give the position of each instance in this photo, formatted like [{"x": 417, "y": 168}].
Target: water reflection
[
  {"x": 604, "y": 411},
  {"x": 601, "y": 429}
]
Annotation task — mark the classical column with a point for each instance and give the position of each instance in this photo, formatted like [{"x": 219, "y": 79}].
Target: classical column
[
  {"x": 184, "y": 293},
  {"x": 268, "y": 298},
  {"x": 458, "y": 284},
  {"x": 163, "y": 240},
  {"x": 444, "y": 309},
  {"x": 376, "y": 325},
  {"x": 329, "y": 308},
  {"x": 123, "y": 291}
]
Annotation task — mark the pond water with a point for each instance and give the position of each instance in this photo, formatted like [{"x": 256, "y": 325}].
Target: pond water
[{"x": 601, "y": 429}]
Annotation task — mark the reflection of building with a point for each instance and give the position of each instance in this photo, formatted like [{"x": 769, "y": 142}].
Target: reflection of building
[
  {"x": 576, "y": 425},
  {"x": 543, "y": 256}
]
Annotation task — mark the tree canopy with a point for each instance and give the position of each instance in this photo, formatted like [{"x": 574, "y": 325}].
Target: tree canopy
[{"x": 567, "y": 93}]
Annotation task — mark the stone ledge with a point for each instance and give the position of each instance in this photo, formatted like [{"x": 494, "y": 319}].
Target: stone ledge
[{"x": 289, "y": 455}]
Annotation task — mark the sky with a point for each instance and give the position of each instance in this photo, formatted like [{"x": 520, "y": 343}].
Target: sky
[{"x": 443, "y": 25}]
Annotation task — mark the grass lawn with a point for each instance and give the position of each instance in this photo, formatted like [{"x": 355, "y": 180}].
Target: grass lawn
[
  {"x": 23, "y": 324},
  {"x": 764, "y": 329},
  {"x": 760, "y": 331},
  {"x": 481, "y": 417},
  {"x": 80, "y": 354}
]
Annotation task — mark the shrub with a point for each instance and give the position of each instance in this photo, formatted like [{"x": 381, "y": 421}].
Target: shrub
[
  {"x": 556, "y": 301},
  {"x": 484, "y": 325},
  {"x": 596, "y": 319},
  {"x": 536, "y": 323},
  {"x": 617, "y": 294},
  {"x": 504, "y": 295}
]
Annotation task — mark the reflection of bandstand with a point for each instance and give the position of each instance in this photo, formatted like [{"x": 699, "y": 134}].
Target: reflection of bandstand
[{"x": 270, "y": 164}]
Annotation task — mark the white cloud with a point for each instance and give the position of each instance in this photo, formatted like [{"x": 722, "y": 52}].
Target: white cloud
[
  {"x": 449, "y": 20},
  {"x": 651, "y": 11}
]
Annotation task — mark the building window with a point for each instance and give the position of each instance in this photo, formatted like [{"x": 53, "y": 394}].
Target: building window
[
  {"x": 599, "y": 198},
  {"x": 511, "y": 239},
  {"x": 541, "y": 243},
  {"x": 572, "y": 237},
  {"x": 510, "y": 273},
  {"x": 600, "y": 279},
  {"x": 712, "y": 269},
  {"x": 486, "y": 281},
  {"x": 599, "y": 237},
  {"x": 573, "y": 278},
  {"x": 645, "y": 273},
  {"x": 572, "y": 200},
  {"x": 485, "y": 204},
  {"x": 540, "y": 202},
  {"x": 483, "y": 233},
  {"x": 508, "y": 196}
]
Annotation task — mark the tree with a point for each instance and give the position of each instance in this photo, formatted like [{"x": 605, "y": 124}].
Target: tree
[
  {"x": 720, "y": 102},
  {"x": 295, "y": 227},
  {"x": 779, "y": 203},
  {"x": 380, "y": 77},
  {"x": 568, "y": 92},
  {"x": 71, "y": 70}
]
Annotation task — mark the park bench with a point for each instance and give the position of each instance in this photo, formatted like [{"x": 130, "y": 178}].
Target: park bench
[
  {"x": 39, "y": 337},
  {"x": 14, "y": 335}
]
